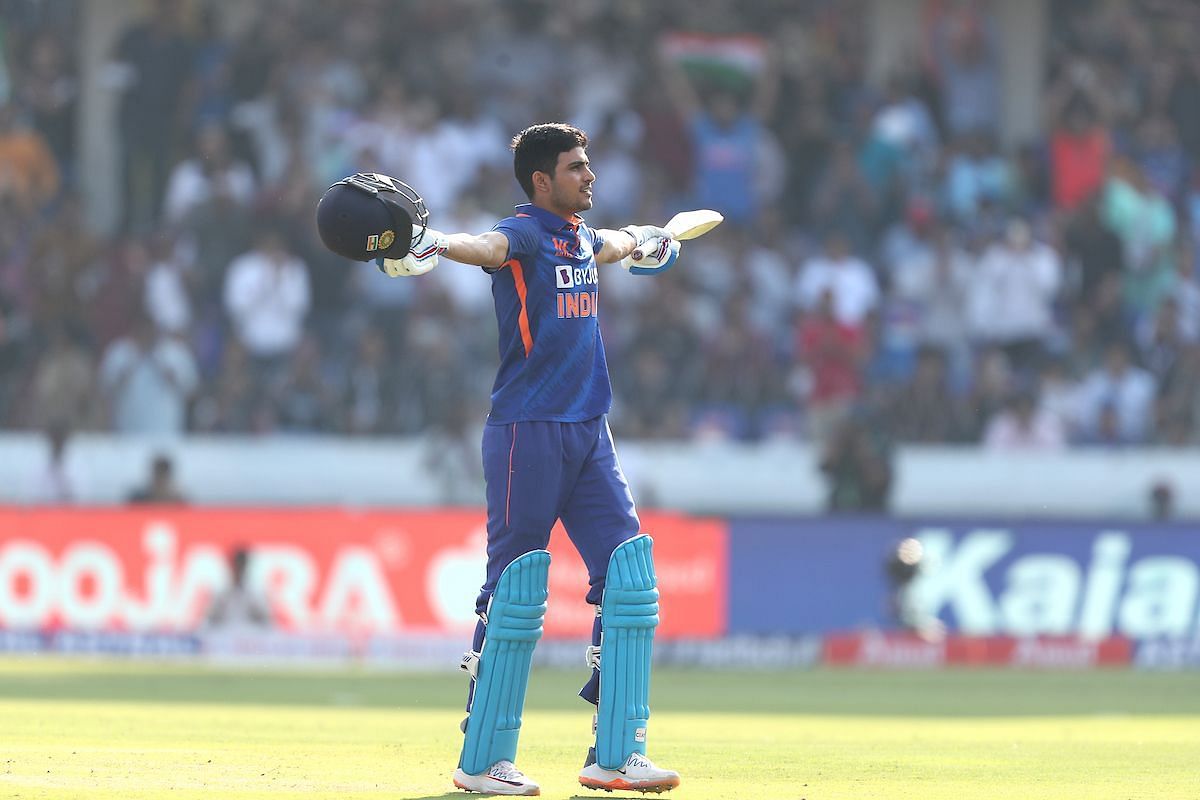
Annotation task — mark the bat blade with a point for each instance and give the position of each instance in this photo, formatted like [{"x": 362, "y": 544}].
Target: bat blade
[{"x": 690, "y": 224}]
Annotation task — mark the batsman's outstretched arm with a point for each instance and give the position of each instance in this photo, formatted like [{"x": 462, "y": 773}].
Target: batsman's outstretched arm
[{"x": 484, "y": 250}]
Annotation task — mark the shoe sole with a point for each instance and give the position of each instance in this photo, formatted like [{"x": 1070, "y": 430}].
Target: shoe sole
[
  {"x": 527, "y": 793},
  {"x": 620, "y": 785}
]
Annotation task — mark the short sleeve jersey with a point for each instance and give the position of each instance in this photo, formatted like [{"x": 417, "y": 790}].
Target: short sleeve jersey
[{"x": 552, "y": 364}]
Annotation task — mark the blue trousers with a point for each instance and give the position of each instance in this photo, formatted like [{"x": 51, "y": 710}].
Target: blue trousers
[{"x": 540, "y": 472}]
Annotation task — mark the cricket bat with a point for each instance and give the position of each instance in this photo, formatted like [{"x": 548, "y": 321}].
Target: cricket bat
[{"x": 690, "y": 224}]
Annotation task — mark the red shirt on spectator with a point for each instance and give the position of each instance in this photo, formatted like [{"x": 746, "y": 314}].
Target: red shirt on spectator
[
  {"x": 1077, "y": 164},
  {"x": 833, "y": 352}
]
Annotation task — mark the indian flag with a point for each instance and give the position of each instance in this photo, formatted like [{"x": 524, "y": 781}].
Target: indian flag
[{"x": 731, "y": 61}]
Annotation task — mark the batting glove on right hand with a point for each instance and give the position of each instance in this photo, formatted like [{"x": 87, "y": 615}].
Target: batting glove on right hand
[
  {"x": 654, "y": 256},
  {"x": 427, "y": 245},
  {"x": 644, "y": 233}
]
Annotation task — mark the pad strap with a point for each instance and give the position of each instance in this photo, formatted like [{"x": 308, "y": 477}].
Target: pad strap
[
  {"x": 514, "y": 625},
  {"x": 630, "y": 615}
]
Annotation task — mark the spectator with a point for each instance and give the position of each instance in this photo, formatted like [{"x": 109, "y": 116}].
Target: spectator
[
  {"x": 267, "y": 298},
  {"x": 1178, "y": 406},
  {"x": 1079, "y": 149},
  {"x": 241, "y": 606},
  {"x": 56, "y": 484},
  {"x": 928, "y": 277},
  {"x": 843, "y": 197},
  {"x": 739, "y": 378},
  {"x": 991, "y": 386},
  {"x": 735, "y": 154},
  {"x": 233, "y": 401},
  {"x": 369, "y": 387},
  {"x": 304, "y": 399},
  {"x": 857, "y": 466},
  {"x": 451, "y": 458},
  {"x": 28, "y": 171},
  {"x": 1160, "y": 156},
  {"x": 50, "y": 91},
  {"x": 62, "y": 383},
  {"x": 924, "y": 409},
  {"x": 1058, "y": 395},
  {"x": 833, "y": 353},
  {"x": 62, "y": 285},
  {"x": 1092, "y": 251},
  {"x": 1077, "y": 108},
  {"x": 1145, "y": 222},
  {"x": 148, "y": 380},
  {"x": 211, "y": 170},
  {"x": 977, "y": 177},
  {"x": 1012, "y": 294},
  {"x": 1161, "y": 341},
  {"x": 149, "y": 67},
  {"x": 852, "y": 282},
  {"x": 1116, "y": 401},
  {"x": 168, "y": 300},
  {"x": 1024, "y": 425},
  {"x": 1162, "y": 501},
  {"x": 161, "y": 487},
  {"x": 965, "y": 55}
]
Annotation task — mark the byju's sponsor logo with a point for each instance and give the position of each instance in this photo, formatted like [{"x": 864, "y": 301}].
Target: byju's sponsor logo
[
  {"x": 564, "y": 276},
  {"x": 577, "y": 304}
]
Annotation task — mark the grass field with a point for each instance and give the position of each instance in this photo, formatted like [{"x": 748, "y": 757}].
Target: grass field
[{"x": 82, "y": 729}]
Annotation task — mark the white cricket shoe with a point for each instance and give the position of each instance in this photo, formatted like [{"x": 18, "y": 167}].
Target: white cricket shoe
[
  {"x": 501, "y": 778},
  {"x": 638, "y": 775}
]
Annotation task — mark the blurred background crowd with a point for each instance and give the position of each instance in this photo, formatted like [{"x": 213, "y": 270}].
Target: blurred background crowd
[{"x": 887, "y": 259}]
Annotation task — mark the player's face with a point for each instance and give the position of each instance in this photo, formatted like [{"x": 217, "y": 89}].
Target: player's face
[{"x": 571, "y": 186}]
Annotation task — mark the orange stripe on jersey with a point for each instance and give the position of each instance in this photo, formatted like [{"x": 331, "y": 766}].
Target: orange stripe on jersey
[{"x": 518, "y": 273}]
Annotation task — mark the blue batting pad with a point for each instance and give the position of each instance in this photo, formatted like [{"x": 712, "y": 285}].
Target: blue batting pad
[
  {"x": 630, "y": 614},
  {"x": 514, "y": 625}
]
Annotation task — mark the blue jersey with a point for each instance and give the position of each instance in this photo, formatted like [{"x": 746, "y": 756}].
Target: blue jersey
[{"x": 552, "y": 365}]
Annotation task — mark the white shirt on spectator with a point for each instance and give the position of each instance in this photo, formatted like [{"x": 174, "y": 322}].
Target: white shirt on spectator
[
  {"x": 1043, "y": 431},
  {"x": 166, "y": 297},
  {"x": 189, "y": 186},
  {"x": 149, "y": 389},
  {"x": 1129, "y": 392},
  {"x": 855, "y": 290},
  {"x": 1012, "y": 291},
  {"x": 267, "y": 301}
]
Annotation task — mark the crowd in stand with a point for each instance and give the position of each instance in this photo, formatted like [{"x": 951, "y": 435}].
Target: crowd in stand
[{"x": 885, "y": 259}]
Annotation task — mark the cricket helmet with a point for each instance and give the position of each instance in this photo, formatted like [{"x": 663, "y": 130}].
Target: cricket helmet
[{"x": 369, "y": 215}]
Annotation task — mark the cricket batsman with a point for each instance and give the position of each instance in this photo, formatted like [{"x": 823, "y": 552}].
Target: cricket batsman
[{"x": 548, "y": 453}]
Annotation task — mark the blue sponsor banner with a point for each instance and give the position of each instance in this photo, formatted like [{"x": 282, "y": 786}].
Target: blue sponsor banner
[
  {"x": 108, "y": 643},
  {"x": 977, "y": 576}
]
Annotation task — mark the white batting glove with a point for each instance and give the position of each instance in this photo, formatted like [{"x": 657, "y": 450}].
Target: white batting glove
[
  {"x": 644, "y": 233},
  {"x": 427, "y": 245}
]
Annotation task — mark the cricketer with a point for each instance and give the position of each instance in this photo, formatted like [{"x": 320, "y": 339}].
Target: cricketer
[{"x": 548, "y": 453}]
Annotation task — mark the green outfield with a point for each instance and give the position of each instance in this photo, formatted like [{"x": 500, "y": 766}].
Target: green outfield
[{"x": 84, "y": 729}]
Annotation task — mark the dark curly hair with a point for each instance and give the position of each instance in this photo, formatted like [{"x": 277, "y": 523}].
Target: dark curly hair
[{"x": 536, "y": 149}]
